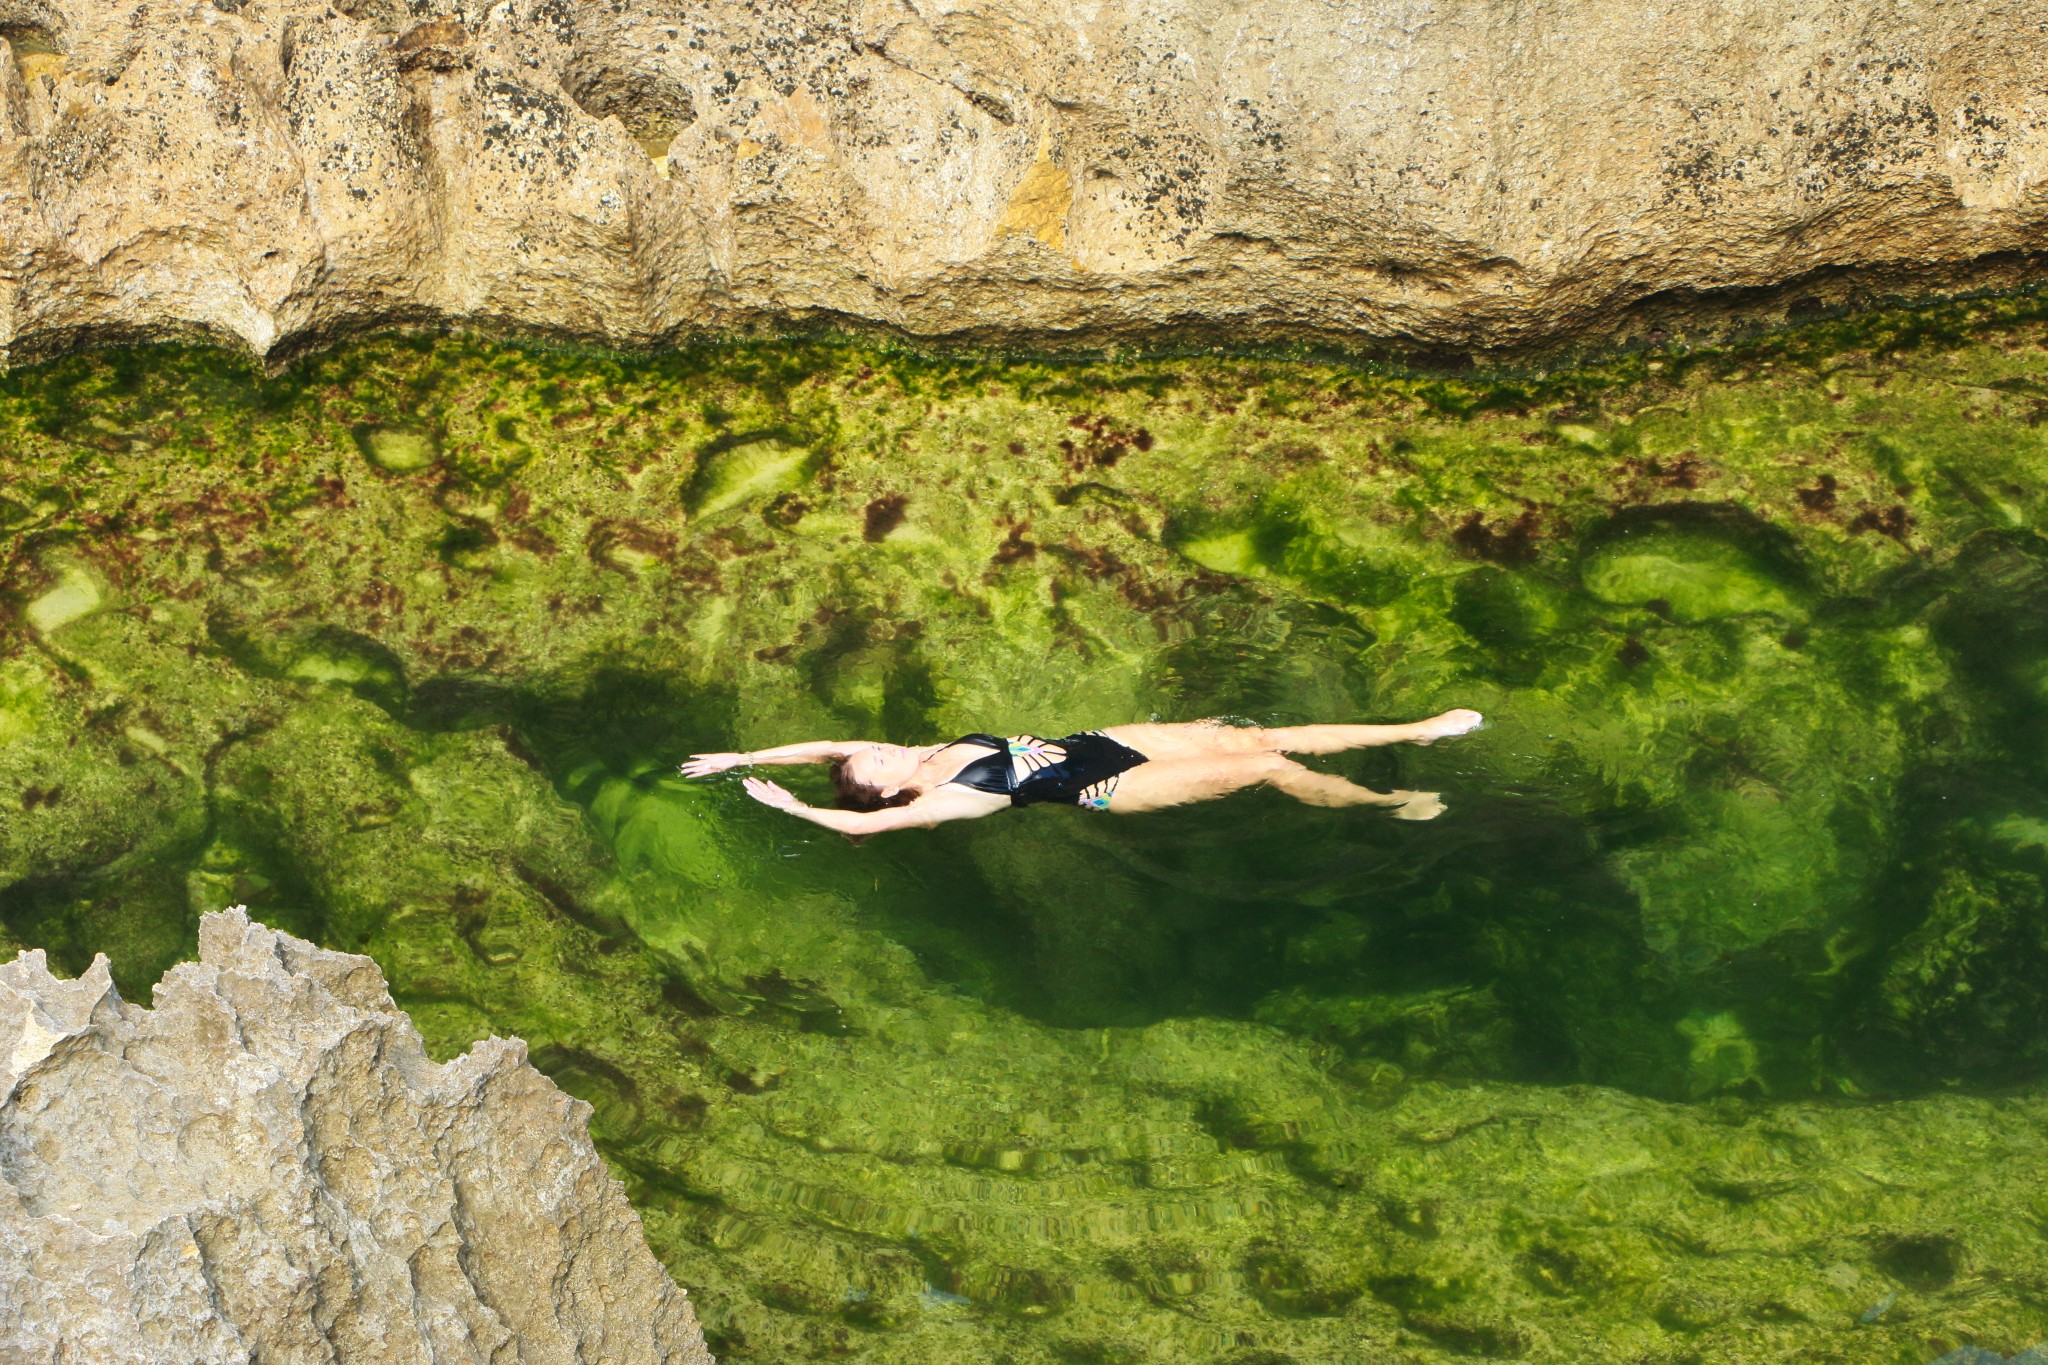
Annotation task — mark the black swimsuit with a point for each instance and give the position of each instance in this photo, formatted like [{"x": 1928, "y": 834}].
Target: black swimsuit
[{"x": 1080, "y": 770}]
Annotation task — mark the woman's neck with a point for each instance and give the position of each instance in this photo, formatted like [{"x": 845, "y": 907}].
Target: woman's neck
[{"x": 932, "y": 773}]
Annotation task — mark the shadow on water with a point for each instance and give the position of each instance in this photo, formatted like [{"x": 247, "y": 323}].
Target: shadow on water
[
  {"x": 1494, "y": 943},
  {"x": 1497, "y": 942}
]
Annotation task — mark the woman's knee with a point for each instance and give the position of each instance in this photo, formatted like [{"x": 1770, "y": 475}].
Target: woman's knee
[
  {"x": 1273, "y": 767},
  {"x": 1238, "y": 739}
]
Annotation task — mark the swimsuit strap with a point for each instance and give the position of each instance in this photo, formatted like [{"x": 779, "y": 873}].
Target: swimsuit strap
[
  {"x": 989, "y": 773},
  {"x": 977, "y": 738}
]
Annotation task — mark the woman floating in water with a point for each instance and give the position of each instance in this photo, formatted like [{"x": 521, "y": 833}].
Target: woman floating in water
[{"x": 1124, "y": 769}]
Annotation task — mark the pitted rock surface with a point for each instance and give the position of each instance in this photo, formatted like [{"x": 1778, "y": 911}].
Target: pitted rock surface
[
  {"x": 267, "y": 1166},
  {"x": 1462, "y": 174}
]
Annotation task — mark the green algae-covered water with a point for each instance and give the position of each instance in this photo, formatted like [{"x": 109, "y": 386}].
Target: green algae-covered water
[{"x": 1708, "y": 1025}]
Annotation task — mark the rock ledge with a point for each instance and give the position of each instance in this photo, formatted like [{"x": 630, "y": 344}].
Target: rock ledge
[{"x": 1454, "y": 175}]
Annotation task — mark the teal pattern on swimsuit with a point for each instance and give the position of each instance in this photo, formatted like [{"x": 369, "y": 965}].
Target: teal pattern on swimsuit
[{"x": 1030, "y": 754}]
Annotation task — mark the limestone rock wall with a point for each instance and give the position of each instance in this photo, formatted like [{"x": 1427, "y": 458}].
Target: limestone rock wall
[
  {"x": 1445, "y": 173},
  {"x": 266, "y": 1166}
]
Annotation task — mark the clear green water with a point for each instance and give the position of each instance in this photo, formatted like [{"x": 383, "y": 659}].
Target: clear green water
[{"x": 1710, "y": 1018}]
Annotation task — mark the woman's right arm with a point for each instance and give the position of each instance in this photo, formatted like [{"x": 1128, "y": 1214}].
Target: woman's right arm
[
  {"x": 815, "y": 751},
  {"x": 933, "y": 808}
]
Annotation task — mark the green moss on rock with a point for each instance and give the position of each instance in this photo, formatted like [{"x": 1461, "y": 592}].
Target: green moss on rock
[{"x": 1588, "y": 1069}]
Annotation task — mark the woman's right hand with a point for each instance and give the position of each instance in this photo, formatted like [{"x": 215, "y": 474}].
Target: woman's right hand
[
  {"x": 704, "y": 765},
  {"x": 768, "y": 794}
]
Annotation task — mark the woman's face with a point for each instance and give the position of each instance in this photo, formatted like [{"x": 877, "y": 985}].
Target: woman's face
[{"x": 888, "y": 768}]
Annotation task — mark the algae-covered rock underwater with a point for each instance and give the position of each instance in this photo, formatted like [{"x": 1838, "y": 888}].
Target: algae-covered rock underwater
[{"x": 1706, "y": 1025}]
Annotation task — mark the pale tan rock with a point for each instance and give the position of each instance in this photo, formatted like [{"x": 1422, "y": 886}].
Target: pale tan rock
[
  {"x": 1447, "y": 173},
  {"x": 267, "y": 1166}
]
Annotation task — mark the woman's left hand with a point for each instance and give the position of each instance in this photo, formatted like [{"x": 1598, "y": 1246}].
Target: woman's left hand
[{"x": 768, "y": 794}]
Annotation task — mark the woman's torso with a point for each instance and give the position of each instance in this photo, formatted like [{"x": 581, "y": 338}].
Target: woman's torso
[{"x": 1079, "y": 769}]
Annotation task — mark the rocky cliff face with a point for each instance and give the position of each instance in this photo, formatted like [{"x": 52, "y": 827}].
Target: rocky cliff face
[
  {"x": 1446, "y": 173},
  {"x": 267, "y": 1166}
]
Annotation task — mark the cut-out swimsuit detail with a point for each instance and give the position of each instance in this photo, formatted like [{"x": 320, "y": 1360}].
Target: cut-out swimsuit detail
[{"x": 1080, "y": 770}]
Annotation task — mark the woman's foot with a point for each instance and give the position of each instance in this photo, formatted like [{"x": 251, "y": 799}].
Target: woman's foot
[
  {"x": 1418, "y": 805},
  {"x": 1450, "y": 723}
]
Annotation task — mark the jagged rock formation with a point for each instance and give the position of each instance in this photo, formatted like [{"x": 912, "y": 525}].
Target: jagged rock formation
[
  {"x": 267, "y": 1166},
  {"x": 1446, "y": 173}
]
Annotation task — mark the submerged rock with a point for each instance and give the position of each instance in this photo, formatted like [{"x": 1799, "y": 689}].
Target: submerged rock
[
  {"x": 1459, "y": 175},
  {"x": 266, "y": 1166}
]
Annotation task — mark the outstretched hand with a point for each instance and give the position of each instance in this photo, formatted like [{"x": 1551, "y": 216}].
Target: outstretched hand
[
  {"x": 704, "y": 765},
  {"x": 768, "y": 794}
]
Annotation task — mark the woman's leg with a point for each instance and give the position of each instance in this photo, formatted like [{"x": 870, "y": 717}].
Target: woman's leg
[
  {"x": 1312, "y": 788},
  {"x": 1165, "y": 743},
  {"x": 1335, "y": 739},
  {"x": 1213, "y": 739},
  {"x": 1164, "y": 783}
]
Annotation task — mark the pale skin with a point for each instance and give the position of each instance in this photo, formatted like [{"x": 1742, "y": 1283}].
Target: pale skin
[{"x": 1185, "y": 763}]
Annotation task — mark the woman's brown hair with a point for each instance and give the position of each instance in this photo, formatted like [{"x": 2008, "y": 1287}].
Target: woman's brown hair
[{"x": 854, "y": 795}]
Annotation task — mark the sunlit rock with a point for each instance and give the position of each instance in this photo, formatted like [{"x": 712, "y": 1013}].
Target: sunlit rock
[
  {"x": 397, "y": 450},
  {"x": 757, "y": 467},
  {"x": 76, "y": 596},
  {"x": 1461, "y": 177},
  {"x": 1692, "y": 578},
  {"x": 188, "y": 1181}
]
